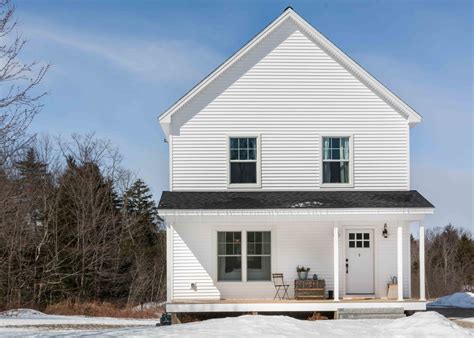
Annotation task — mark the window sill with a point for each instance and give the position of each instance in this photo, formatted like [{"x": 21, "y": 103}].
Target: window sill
[
  {"x": 336, "y": 185},
  {"x": 243, "y": 186},
  {"x": 241, "y": 282}
]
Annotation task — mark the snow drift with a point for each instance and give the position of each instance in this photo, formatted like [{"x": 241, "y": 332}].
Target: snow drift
[
  {"x": 22, "y": 313},
  {"x": 459, "y": 299},
  {"x": 425, "y": 324},
  {"x": 422, "y": 324}
]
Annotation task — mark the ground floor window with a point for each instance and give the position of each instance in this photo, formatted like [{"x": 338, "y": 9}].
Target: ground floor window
[
  {"x": 229, "y": 252},
  {"x": 259, "y": 255}
]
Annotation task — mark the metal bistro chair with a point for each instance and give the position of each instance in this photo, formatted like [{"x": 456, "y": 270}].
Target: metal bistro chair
[{"x": 280, "y": 285}]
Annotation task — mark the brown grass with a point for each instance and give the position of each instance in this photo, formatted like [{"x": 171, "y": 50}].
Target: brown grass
[{"x": 100, "y": 309}]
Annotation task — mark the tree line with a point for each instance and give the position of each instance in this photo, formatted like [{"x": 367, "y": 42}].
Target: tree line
[{"x": 75, "y": 226}]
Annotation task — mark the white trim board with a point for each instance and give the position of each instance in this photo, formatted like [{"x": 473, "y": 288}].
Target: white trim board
[
  {"x": 415, "y": 213},
  {"x": 289, "y": 306},
  {"x": 339, "y": 56}
]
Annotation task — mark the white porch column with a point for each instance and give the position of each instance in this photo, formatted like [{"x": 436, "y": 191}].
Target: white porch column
[
  {"x": 169, "y": 261},
  {"x": 400, "y": 261},
  {"x": 421, "y": 227},
  {"x": 336, "y": 261}
]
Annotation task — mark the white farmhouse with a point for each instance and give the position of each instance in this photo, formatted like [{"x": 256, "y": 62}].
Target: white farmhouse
[{"x": 290, "y": 154}]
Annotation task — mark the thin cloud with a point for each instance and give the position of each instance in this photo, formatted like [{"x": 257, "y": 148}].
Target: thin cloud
[{"x": 175, "y": 61}]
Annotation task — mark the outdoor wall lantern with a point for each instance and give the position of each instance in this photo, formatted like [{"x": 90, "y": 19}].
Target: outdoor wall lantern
[{"x": 385, "y": 231}]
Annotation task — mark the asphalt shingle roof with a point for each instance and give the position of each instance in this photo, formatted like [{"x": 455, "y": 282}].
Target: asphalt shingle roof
[{"x": 291, "y": 199}]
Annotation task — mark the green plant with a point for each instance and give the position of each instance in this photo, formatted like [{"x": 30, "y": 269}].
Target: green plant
[{"x": 302, "y": 269}]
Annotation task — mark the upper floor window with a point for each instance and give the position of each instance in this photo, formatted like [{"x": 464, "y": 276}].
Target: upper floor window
[
  {"x": 243, "y": 160},
  {"x": 336, "y": 160}
]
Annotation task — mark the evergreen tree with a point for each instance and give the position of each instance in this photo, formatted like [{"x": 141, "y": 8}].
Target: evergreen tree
[
  {"x": 34, "y": 184},
  {"x": 139, "y": 202},
  {"x": 30, "y": 168},
  {"x": 145, "y": 243}
]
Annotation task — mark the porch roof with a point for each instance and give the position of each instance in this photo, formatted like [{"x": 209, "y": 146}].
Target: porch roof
[{"x": 292, "y": 199}]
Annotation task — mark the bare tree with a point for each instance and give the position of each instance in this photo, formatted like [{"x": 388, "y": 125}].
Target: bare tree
[
  {"x": 19, "y": 98},
  {"x": 449, "y": 261},
  {"x": 75, "y": 226}
]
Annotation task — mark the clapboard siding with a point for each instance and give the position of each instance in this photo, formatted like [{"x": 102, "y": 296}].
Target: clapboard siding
[
  {"x": 189, "y": 248},
  {"x": 290, "y": 92},
  {"x": 295, "y": 241}
]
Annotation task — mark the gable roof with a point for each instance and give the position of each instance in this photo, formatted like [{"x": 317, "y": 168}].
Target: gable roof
[
  {"x": 195, "y": 200},
  {"x": 332, "y": 50}
]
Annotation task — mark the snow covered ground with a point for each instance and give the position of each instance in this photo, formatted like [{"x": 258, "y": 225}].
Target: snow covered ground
[
  {"x": 464, "y": 300},
  {"x": 21, "y": 317},
  {"x": 27, "y": 322},
  {"x": 31, "y": 323}
]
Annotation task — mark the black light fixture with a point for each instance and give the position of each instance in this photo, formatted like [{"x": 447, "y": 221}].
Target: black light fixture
[{"x": 385, "y": 231}]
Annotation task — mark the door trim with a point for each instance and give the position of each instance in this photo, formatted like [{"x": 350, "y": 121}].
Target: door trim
[{"x": 342, "y": 270}]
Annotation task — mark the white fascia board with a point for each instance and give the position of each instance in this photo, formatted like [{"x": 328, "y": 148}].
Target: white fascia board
[
  {"x": 296, "y": 212},
  {"x": 287, "y": 306},
  {"x": 411, "y": 115}
]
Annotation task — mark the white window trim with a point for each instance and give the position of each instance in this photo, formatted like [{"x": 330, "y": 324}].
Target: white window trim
[
  {"x": 261, "y": 255},
  {"x": 244, "y": 231},
  {"x": 243, "y": 241},
  {"x": 244, "y": 186},
  {"x": 351, "y": 162}
]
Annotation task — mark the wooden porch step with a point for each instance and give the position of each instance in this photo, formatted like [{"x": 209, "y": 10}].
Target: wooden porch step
[
  {"x": 370, "y": 313},
  {"x": 371, "y": 316},
  {"x": 371, "y": 310}
]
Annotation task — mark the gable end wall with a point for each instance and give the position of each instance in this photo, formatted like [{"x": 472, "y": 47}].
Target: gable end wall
[{"x": 290, "y": 92}]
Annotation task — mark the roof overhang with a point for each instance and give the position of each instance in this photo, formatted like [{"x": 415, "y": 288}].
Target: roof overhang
[
  {"x": 332, "y": 50},
  {"x": 342, "y": 201}
]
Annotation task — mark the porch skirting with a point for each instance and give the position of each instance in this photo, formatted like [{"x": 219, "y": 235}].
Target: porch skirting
[{"x": 242, "y": 305}]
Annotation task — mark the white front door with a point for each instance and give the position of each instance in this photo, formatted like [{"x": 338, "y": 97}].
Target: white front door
[{"x": 359, "y": 261}]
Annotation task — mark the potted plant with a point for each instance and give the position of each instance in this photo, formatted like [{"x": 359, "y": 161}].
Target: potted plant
[{"x": 302, "y": 272}]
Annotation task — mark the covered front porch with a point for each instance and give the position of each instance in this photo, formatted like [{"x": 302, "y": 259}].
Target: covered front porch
[
  {"x": 326, "y": 247},
  {"x": 223, "y": 251},
  {"x": 357, "y": 255}
]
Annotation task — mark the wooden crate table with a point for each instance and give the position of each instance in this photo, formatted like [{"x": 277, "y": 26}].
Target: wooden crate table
[{"x": 310, "y": 289}]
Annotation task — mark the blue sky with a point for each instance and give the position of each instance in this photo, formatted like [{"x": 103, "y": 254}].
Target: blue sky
[{"x": 116, "y": 65}]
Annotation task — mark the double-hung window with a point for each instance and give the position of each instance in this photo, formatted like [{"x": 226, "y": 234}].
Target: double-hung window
[
  {"x": 243, "y": 157},
  {"x": 259, "y": 255},
  {"x": 336, "y": 160},
  {"x": 229, "y": 255},
  {"x": 252, "y": 264}
]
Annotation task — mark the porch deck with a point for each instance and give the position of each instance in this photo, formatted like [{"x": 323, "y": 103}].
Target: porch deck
[{"x": 290, "y": 305}]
